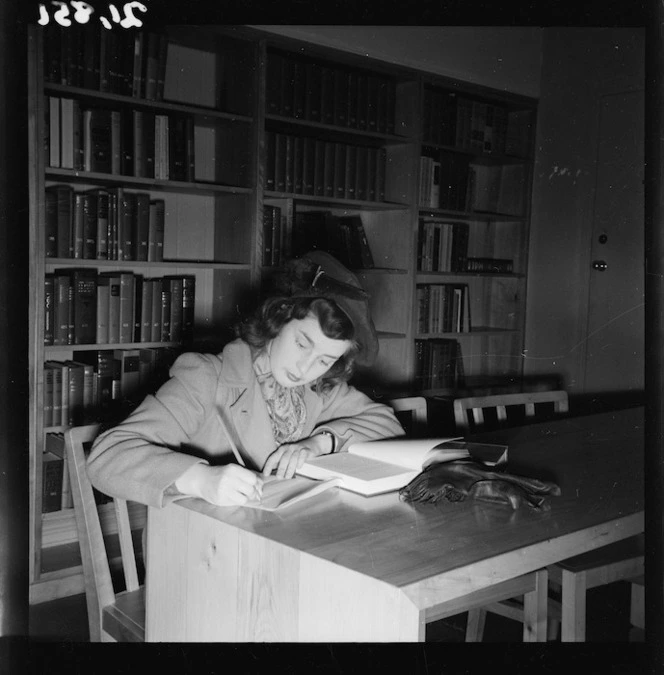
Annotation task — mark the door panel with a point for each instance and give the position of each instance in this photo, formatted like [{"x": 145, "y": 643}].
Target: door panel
[{"x": 614, "y": 346}]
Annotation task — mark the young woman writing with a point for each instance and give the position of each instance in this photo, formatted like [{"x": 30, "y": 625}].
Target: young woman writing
[{"x": 277, "y": 395}]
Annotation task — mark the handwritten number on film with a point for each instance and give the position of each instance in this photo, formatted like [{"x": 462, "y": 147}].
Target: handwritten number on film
[{"x": 82, "y": 12}]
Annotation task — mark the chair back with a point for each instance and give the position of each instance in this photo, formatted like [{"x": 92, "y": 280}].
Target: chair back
[
  {"x": 469, "y": 412},
  {"x": 411, "y": 411},
  {"x": 99, "y": 591}
]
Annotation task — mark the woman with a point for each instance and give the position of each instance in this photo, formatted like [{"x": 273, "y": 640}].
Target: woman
[{"x": 278, "y": 395}]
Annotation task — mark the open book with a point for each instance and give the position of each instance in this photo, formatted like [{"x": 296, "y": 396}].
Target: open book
[{"x": 373, "y": 467}]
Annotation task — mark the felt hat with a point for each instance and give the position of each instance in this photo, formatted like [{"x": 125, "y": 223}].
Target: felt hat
[{"x": 318, "y": 274}]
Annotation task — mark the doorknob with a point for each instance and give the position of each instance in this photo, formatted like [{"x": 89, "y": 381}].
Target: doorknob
[{"x": 599, "y": 265}]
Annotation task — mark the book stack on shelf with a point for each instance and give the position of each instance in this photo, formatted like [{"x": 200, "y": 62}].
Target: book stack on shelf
[
  {"x": 443, "y": 308},
  {"x": 442, "y": 245},
  {"x": 344, "y": 237},
  {"x": 129, "y": 142},
  {"x": 319, "y": 91},
  {"x": 439, "y": 364},
  {"x": 83, "y": 306},
  {"x": 129, "y": 63},
  {"x": 83, "y": 389},
  {"x": 103, "y": 224},
  {"x": 309, "y": 166}
]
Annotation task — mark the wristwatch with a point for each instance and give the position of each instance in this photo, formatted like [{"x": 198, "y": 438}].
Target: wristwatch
[{"x": 332, "y": 436}]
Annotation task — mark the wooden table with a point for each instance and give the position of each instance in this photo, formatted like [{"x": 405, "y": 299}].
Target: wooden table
[{"x": 341, "y": 567}]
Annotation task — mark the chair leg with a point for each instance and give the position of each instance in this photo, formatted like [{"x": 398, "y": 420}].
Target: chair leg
[
  {"x": 637, "y": 607},
  {"x": 475, "y": 625},
  {"x": 535, "y": 609},
  {"x": 573, "y": 627}
]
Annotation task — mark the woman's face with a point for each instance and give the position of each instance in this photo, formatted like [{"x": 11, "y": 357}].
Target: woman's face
[{"x": 301, "y": 353}]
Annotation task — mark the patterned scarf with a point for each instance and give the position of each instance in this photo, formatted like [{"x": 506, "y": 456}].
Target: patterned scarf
[{"x": 285, "y": 405}]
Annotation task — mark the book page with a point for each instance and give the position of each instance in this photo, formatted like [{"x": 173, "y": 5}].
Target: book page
[
  {"x": 280, "y": 493},
  {"x": 411, "y": 453}
]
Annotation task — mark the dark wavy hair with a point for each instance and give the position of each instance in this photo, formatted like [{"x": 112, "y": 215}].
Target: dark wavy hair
[{"x": 273, "y": 314}]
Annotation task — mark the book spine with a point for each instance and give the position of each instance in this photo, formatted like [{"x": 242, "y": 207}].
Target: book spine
[{"x": 126, "y": 307}]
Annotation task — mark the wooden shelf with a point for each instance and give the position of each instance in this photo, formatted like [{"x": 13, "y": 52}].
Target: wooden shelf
[{"x": 134, "y": 264}]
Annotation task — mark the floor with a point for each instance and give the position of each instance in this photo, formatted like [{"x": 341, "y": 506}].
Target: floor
[{"x": 65, "y": 620}]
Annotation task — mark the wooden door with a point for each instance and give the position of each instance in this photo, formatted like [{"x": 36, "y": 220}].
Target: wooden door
[{"x": 614, "y": 355}]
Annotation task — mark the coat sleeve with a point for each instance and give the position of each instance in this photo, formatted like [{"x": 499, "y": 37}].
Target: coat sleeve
[
  {"x": 353, "y": 417},
  {"x": 141, "y": 457}
]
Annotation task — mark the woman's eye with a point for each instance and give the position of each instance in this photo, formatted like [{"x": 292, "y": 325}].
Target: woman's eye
[{"x": 325, "y": 363}]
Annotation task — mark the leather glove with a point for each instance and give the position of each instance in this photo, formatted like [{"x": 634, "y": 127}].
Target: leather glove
[{"x": 463, "y": 478}]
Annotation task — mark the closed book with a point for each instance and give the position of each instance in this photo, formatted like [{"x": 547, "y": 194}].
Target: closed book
[
  {"x": 99, "y": 211},
  {"x": 55, "y": 375},
  {"x": 308, "y": 165},
  {"x": 312, "y": 92},
  {"x": 90, "y": 212},
  {"x": 362, "y": 100},
  {"x": 145, "y": 334},
  {"x": 352, "y": 100},
  {"x": 64, "y": 393},
  {"x": 142, "y": 226},
  {"x": 156, "y": 224},
  {"x": 151, "y": 66},
  {"x": 341, "y": 78},
  {"x": 47, "y": 400},
  {"x": 64, "y": 204},
  {"x": 113, "y": 307},
  {"x": 128, "y": 363},
  {"x": 177, "y": 148},
  {"x": 289, "y": 171},
  {"x": 137, "y": 67},
  {"x": 126, "y": 307},
  {"x": 299, "y": 85},
  {"x": 52, "y": 472},
  {"x": 319, "y": 168},
  {"x": 54, "y": 131},
  {"x": 126, "y": 217},
  {"x": 339, "y": 170},
  {"x": 67, "y": 133},
  {"x": 148, "y": 143},
  {"x": 165, "y": 321},
  {"x": 327, "y": 95},
  {"x": 116, "y": 142},
  {"x": 328, "y": 170},
  {"x": 103, "y": 298},
  {"x": 188, "y": 306},
  {"x": 381, "y": 161},
  {"x": 97, "y": 140},
  {"x": 298, "y": 165},
  {"x": 138, "y": 306},
  {"x": 76, "y": 384},
  {"x": 49, "y": 309},
  {"x": 350, "y": 172},
  {"x": 127, "y": 143},
  {"x": 268, "y": 218},
  {"x": 280, "y": 163},
  {"x": 84, "y": 294},
  {"x": 275, "y": 234},
  {"x": 140, "y": 162},
  {"x": 372, "y": 160},
  {"x": 362, "y": 173},
  {"x": 287, "y": 86},
  {"x": 175, "y": 287},
  {"x": 62, "y": 284},
  {"x": 156, "y": 311},
  {"x": 270, "y": 159},
  {"x": 54, "y": 442},
  {"x": 50, "y": 224},
  {"x": 77, "y": 235}
]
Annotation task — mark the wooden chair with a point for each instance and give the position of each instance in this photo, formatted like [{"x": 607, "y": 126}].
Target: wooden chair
[
  {"x": 112, "y": 617},
  {"x": 412, "y": 413},
  {"x": 532, "y": 586},
  {"x": 574, "y": 576}
]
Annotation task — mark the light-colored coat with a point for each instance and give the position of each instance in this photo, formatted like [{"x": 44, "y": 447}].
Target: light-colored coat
[{"x": 179, "y": 426}]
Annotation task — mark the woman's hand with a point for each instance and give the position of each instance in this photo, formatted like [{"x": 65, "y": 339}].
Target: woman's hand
[
  {"x": 289, "y": 457},
  {"x": 229, "y": 485}
]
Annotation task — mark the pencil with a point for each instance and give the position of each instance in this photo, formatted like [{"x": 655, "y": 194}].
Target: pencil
[{"x": 236, "y": 452}]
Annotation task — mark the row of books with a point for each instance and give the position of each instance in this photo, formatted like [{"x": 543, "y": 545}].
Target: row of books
[
  {"x": 329, "y": 94},
  {"x": 130, "y": 63},
  {"x": 125, "y": 142},
  {"x": 83, "y": 306},
  {"x": 438, "y": 364},
  {"x": 309, "y": 166},
  {"x": 103, "y": 224},
  {"x": 452, "y": 181},
  {"x": 78, "y": 390},
  {"x": 475, "y": 125},
  {"x": 489, "y": 265},
  {"x": 443, "y": 308},
  {"x": 442, "y": 246},
  {"x": 344, "y": 237}
]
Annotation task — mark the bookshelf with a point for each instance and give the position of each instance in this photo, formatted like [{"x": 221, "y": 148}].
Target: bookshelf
[{"x": 419, "y": 183}]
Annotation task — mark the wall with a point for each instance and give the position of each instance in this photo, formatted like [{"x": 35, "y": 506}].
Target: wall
[
  {"x": 579, "y": 65},
  {"x": 505, "y": 58}
]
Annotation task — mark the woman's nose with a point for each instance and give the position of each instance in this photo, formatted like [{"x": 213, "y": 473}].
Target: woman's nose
[{"x": 304, "y": 364}]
